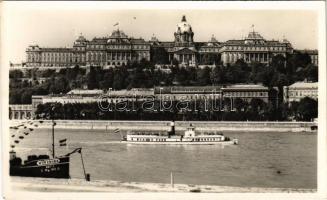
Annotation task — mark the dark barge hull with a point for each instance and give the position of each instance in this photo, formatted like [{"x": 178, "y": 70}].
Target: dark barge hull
[{"x": 46, "y": 168}]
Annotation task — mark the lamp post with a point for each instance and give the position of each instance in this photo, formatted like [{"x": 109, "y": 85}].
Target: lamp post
[
  {"x": 53, "y": 124},
  {"x": 172, "y": 177}
]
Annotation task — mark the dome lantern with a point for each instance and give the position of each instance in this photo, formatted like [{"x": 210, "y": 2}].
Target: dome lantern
[{"x": 184, "y": 18}]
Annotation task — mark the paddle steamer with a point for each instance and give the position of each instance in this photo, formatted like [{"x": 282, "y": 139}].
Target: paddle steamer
[{"x": 189, "y": 137}]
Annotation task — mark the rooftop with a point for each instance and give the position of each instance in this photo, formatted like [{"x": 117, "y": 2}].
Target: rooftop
[
  {"x": 254, "y": 36},
  {"x": 308, "y": 51},
  {"x": 133, "y": 92},
  {"x": 304, "y": 85},
  {"x": 245, "y": 87},
  {"x": 187, "y": 89},
  {"x": 85, "y": 92}
]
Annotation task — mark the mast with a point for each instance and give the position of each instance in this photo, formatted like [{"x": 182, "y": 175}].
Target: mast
[{"x": 53, "y": 124}]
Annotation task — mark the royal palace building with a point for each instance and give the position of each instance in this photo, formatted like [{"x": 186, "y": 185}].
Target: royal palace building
[
  {"x": 254, "y": 48},
  {"x": 119, "y": 49},
  {"x": 116, "y": 50}
]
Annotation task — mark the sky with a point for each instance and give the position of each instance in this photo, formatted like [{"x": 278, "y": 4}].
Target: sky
[{"x": 59, "y": 27}]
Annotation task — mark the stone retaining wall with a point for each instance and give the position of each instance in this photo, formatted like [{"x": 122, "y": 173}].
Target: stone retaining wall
[{"x": 180, "y": 125}]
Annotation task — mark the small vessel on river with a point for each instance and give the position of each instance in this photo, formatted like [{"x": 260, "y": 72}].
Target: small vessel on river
[
  {"x": 189, "y": 137},
  {"x": 42, "y": 165}
]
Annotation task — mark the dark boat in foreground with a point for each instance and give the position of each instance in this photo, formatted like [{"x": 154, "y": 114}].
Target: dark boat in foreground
[
  {"x": 39, "y": 166},
  {"x": 42, "y": 165}
]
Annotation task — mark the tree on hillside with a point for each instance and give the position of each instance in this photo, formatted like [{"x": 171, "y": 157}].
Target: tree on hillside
[
  {"x": 26, "y": 96},
  {"x": 256, "y": 68},
  {"x": 59, "y": 85},
  {"x": 240, "y": 104},
  {"x": 295, "y": 61},
  {"x": 257, "y": 104},
  {"x": 311, "y": 73},
  {"x": 15, "y": 74},
  {"x": 91, "y": 79},
  {"x": 15, "y": 96},
  {"x": 241, "y": 65},
  {"x": 267, "y": 76},
  {"x": 108, "y": 78},
  {"x": 238, "y": 72},
  {"x": 136, "y": 78},
  {"x": 204, "y": 76},
  {"x": 120, "y": 78},
  {"x": 217, "y": 75},
  {"x": 47, "y": 73},
  {"x": 307, "y": 109},
  {"x": 175, "y": 62},
  {"x": 160, "y": 55},
  {"x": 279, "y": 63}
]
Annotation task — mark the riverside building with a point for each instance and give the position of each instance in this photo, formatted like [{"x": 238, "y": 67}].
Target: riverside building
[
  {"x": 118, "y": 49},
  {"x": 299, "y": 90},
  {"x": 246, "y": 92}
]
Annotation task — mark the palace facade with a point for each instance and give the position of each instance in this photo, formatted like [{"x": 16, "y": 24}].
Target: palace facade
[
  {"x": 119, "y": 49},
  {"x": 254, "y": 48},
  {"x": 116, "y": 50}
]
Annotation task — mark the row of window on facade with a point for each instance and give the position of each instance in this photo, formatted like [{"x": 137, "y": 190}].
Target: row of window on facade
[
  {"x": 115, "y": 56},
  {"x": 246, "y": 94},
  {"x": 164, "y": 139},
  {"x": 79, "y": 48},
  {"x": 165, "y": 98},
  {"x": 49, "y": 56},
  {"x": 233, "y": 57},
  {"x": 96, "y": 63},
  {"x": 256, "y": 48},
  {"x": 118, "y": 46},
  {"x": 20, "y": 115},
  {"x": 44, "y": 55},
  {"x": 63, "y": 59},
  {"x": 303, "y": 93},
  {"x": 91, "y": 57},
  {"x": 208, "y": 50}
]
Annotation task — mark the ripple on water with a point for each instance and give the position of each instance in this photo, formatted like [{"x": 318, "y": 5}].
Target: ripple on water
[{"x": 255, "y": 162}]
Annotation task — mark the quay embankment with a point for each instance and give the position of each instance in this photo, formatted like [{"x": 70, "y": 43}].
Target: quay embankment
[
  {"x": 80, "y": 185},
  {"x": 239, "y": 126}
]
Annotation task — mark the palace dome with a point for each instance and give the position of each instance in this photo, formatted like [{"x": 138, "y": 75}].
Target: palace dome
[
  {"x": 81, "y": 38},
  {"x": 118, "y": 36},
  {"x": 254, "y": 36},
  {"x": 183, "y": 26}
]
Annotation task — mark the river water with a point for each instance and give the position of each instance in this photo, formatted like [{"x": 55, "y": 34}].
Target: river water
[{"x": 255, "y": 162}]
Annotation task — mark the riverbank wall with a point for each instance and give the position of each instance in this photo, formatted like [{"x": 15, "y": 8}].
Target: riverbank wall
[
  {"x": 201, "y": 126},
  {"x": 79, "y": 185}
]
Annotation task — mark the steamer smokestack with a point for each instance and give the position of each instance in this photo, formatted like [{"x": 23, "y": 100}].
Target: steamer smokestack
[{"x": 172, "y": 128}]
